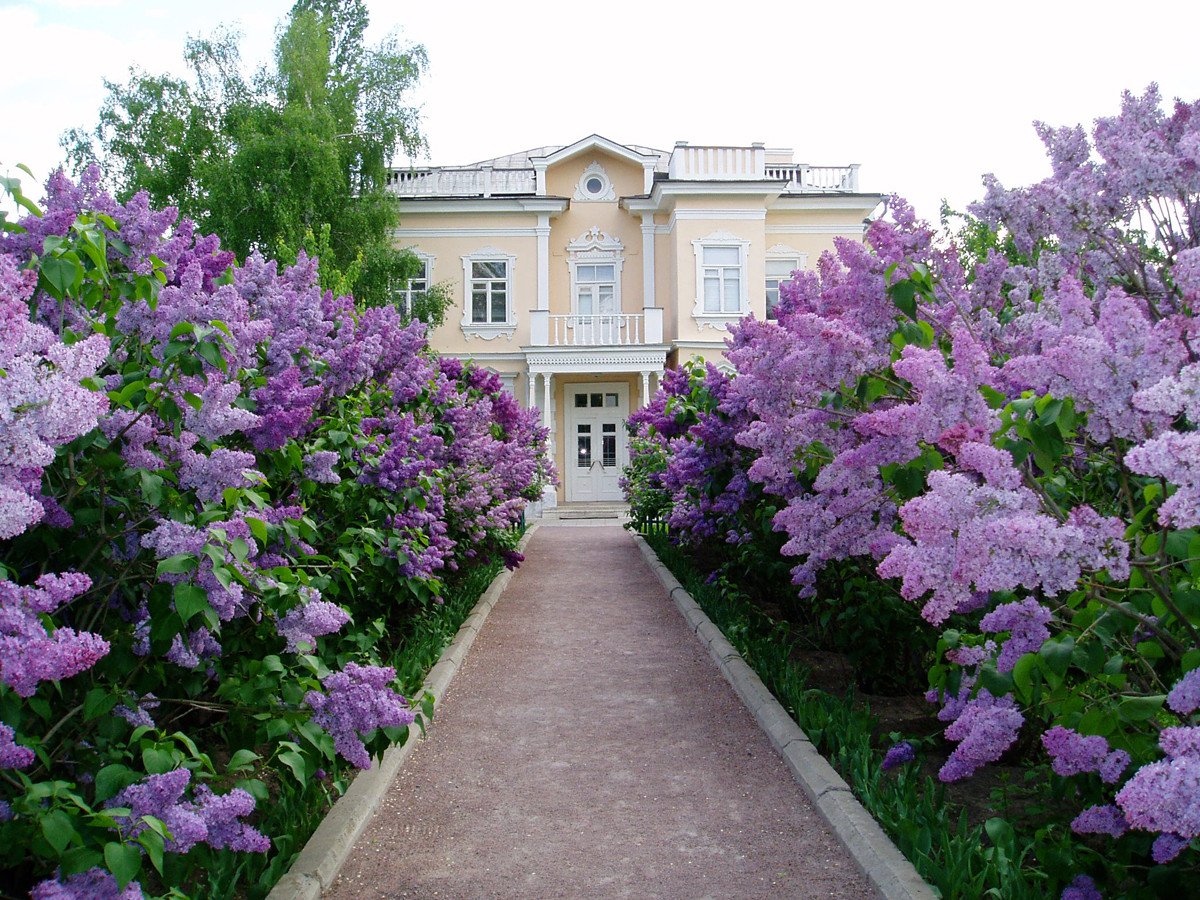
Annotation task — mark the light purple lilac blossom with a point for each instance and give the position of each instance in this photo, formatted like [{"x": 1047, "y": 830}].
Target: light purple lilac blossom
[
  {"x": 358, "y": 700},
  {"x": 94, "y": 884},
  {"x": 985, "y": 728}
]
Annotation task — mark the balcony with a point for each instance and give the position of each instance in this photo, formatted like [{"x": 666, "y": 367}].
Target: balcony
[
  {"x": 757, "y": 163},
  {"x": 610, "y": 330},
  {"x": 482, "y": 182}
]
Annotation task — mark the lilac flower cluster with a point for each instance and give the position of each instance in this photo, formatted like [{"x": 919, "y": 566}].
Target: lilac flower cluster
[
  {"x": 303, "y": 625},
  {"x": 357, "y": 700},
  {"x": 1075, "y": 754},
  {"x": 208, "y": 818},
  {"x": 1082, "y": 887},
  {"x": 1025, "y": 622},
  {"x": 985, "y": 728},
  {"x": 1184, "y": 697},
  {"x": 898, "y": 755},
  {"x": 94, "y": 884}
]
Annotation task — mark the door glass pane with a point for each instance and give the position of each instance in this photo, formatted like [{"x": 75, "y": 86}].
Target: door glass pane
[
  {"x": 597, "y": 399},
  {"x": 580, "y": 400},
  {"x": 606, "y": 298},
  {"x": 610, "y": 400},
  {"x": 608, "y": 450},
  {"x": 585, "y": 300},
  {"x": 584, "y": 455}
]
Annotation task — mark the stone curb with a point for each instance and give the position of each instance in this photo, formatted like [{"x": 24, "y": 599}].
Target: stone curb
[
  {"x": 872, "y": 850},
  {"x": 318, "y": 864}
]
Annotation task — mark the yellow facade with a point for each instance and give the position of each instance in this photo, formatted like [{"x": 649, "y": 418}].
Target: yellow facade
[{"x": 600, "y": 264}]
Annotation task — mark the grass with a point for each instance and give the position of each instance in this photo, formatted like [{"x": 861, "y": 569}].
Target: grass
[{"x": 958, "y": 860}]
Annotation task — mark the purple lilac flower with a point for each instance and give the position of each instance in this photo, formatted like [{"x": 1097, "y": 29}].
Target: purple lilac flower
[
  {"x": 1073, "y": 753},
  {"x": 12, "y": 754},
  {"x": 94, "y": 884},
  {"x": 221, "y": 813},
  {"x": 984, "y": 729},
  {"x": 1184, "y": 697},
  {"x": 318, "y": 466},
  {"x": 898, "y": 755},
  {"x": 1081, "y": 888},
  {"x": 161, "y": 796},
  {"x": 358, "y": 699},
  {"x": 1166, "y": 847},
  {"x": 1103, "y": 819},
  {"x": 302, "y": 625},
  {"x": 138, "y": 714},
  {"x": 1026, "y": 623},
  {"x": 1164, "y": 796},
  {"x": 6, "y": 813}
]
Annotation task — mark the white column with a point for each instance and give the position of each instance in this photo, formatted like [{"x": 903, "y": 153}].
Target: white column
[
  {"x": 645, "y": 388},
  {"x": 532, "y": 376},
  {"x": 648, "y": 259},
  {"x": 543, "y": 261},
  {"x": 548, "y": 397}
]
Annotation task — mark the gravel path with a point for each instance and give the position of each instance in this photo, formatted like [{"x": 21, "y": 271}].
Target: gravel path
[{"x": 588, "y": 747}]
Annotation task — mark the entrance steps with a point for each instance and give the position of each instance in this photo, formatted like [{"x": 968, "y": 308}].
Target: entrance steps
[{"x": 587, "y": 510}]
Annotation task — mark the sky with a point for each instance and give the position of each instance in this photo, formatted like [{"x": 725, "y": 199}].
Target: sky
[{"x": 926, "y": 96}]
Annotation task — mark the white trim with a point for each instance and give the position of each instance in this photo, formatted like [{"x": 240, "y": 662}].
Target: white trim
[
  {"x": 830, "y": 201},
  {"x": 720, "y": 319},
  {"x": 587, "y": 360},
  {"x": 417, "y": 233},
  {"x": 588, "y": 143},
  {"x": 699, "y": 345},
  {"x": 648, "y": 231},
  {"x": 755, "y": 215},
  {"x": 816, "y": 229},
  {"x": 606, "y": 192},
  {"x": 489, "y": 331},
  {"x": 543, "y": 261},
  {"x": 551, "y": 205}
]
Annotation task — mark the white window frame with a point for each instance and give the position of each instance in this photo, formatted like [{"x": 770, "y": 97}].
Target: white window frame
[
  {"x": 780, "y": 252},
  {"x": 596, "y": 248},
  {"x": 488, "y": 330},
  {"x": 405, "y": 294},
  {"x": 606, "y": 192},
  {"x": 719, "y": 320}
]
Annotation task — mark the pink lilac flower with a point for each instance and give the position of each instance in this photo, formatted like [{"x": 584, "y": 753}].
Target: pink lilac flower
[
  {"x": 12, "y": 754},
  {"x": 358, "y": 700},
  {"x": 1175, "y": 457},
  {"x": 984, "y": 729},
  {"x": 1184, "y": 697},
  {"x": 1164, "y": 796},
  {"x": 1104, "y": 819},
  {"x": 1073, "y": 753},
  {"x": 94, "y": 884},
  {"x": 1026, "y": 623}
]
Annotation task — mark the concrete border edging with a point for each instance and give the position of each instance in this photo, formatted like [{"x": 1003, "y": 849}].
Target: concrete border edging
[
  {"x": 314, "y": 870},
  {"x": 872, "y": 850}
]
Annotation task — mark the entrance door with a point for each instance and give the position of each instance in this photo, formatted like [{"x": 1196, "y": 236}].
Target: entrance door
[{"x": 596, "y": 447}]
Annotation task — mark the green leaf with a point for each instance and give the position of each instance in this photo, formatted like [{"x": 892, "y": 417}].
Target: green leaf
[
  {"x": 1139, "y": 709},
  {"x": 1023, "y": 676},
  {"x": 111, "y": 779},
  {"x": 62, "y": 272},
  {"x": 295, "y": 762},
  {"x": 58, "y": 829},
  {"x": 904, "y": 296},
  {"x": 158, "y": 761},
  {"x": 153, "y": 842},
  {"x": 177, "y": 564},
  {"x": 1057, "y": 655},
  {"x": 243, "y": 759},
  {"x": 124, "y": 861},
  {"x": 180, "y": 329},
  {"x": 190, "y": 600},
  {"x": 258, "y": 528},
  {"x": 98, "y": 702}
]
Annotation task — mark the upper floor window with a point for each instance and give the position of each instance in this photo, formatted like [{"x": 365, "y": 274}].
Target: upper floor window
[
  {"x": 417, "y": 285},
  {"x": 595, "y": 289},
  {"x": 778, "y": 270},
  {"x": 721, "y": 294},
  {"x": 594, "y": 184},
  {"x": 488, "y": 294},
  {"x": 782, "y": 261},
  {"x": 595, "y": 259}
]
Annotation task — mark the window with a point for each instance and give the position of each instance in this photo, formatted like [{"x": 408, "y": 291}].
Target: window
[
  {"x": 721, "y": 290},
  {"x": 594, "y": 184},
  {"x": 415, "y": 286},
  {"x": 722, "y": 279},
  {"x": 489, "y": 292},
  {"x": 595, "y": 289},
  {"x": 778, "y": 270}
]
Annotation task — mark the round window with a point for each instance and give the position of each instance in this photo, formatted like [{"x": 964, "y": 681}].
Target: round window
[{"x": 594, "y": 185}]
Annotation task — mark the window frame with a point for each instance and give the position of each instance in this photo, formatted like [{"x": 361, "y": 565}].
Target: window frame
[
  {"x": 406, "y": 293},
  {"x": 779, "y": 253},
  {"x": 490, "y": 328},
  {"x": 719, "y": 319}
]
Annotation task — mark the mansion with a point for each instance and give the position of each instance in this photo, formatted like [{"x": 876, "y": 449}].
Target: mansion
[{"x": 580, "y": 272}]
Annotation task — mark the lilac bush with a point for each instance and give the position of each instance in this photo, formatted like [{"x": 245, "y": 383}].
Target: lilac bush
[
  {"x": 1000, "y": 423},
  {"x": 224, "y": 493}
]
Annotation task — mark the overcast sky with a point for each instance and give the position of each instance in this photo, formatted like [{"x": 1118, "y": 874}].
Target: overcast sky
[{"x": 927, "y": 96}]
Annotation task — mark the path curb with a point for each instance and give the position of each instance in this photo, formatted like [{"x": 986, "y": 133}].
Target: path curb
[
  {"x": 318, "y": 864},
  {"x": 872, "y": 850}
]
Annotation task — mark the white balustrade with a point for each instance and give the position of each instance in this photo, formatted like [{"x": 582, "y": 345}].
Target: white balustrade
[
  {"x": 608, "y": 330},
  {"x": 694, "y": 163},
  {"x": 804, "y": 178},
  {"x": 482, "y": 182}
]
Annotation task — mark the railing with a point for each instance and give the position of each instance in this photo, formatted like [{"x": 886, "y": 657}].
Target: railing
[
  {"x": 482, "y": 182},
  {"x": 689, "y": 163},
  {"x": 804, "y": 178},
  {"x": 595, "y": 331}
]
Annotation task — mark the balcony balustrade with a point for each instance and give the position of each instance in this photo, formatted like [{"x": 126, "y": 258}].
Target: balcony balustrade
[
  {"x": 604, "y": 330},
  {"x": 482, "y": 182}
]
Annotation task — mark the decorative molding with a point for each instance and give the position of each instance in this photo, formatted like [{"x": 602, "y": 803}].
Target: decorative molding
[
  {"x": 716, "y": 321},
  {"x": 595, "y": 239},
  {"x": 418, "y": 233},
  {"x": 550, "y": 205},
  {"x": 856, "y": 230},
  {"x": 606, "y": 192},
  {"x": 487, "y": 332},
  {"x": 783, "y": 251},
  {"x": 590, "y": 359}
]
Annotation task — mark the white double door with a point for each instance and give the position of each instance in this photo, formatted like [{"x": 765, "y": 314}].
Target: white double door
[{"x": 596, "y": 449}]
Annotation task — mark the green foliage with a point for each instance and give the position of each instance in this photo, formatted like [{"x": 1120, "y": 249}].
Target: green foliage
[{"x": 265, "y": 160}]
